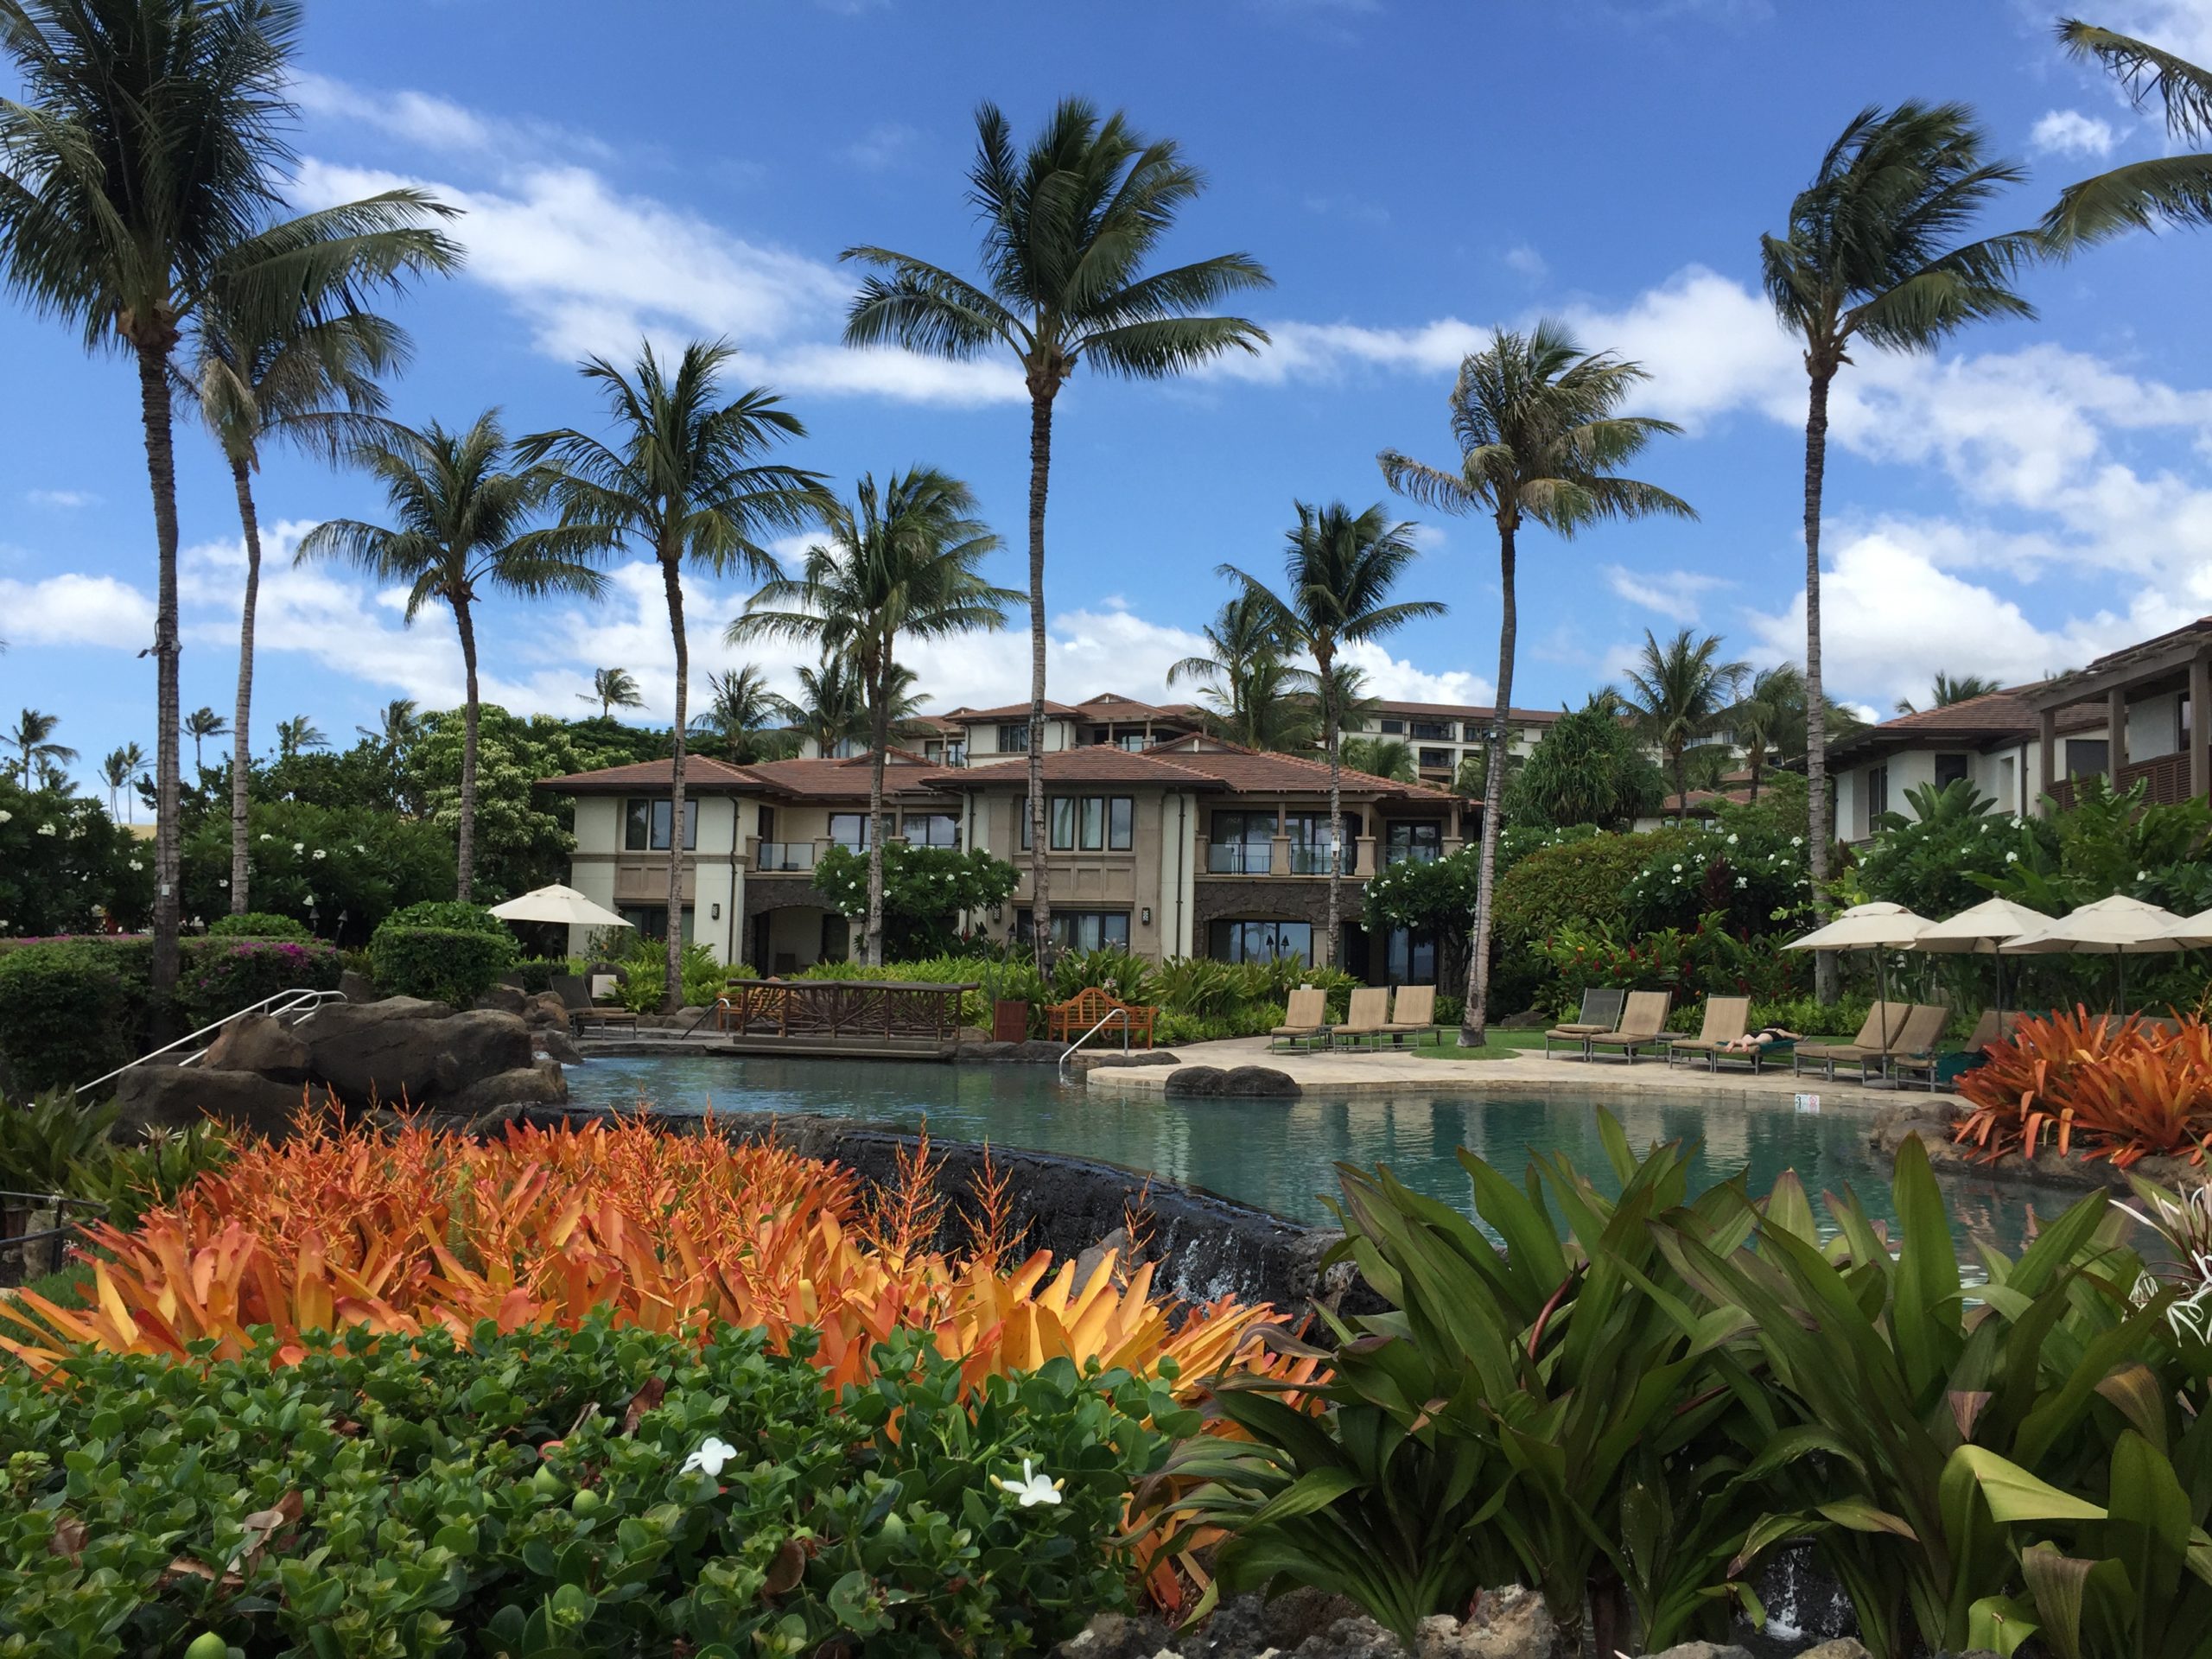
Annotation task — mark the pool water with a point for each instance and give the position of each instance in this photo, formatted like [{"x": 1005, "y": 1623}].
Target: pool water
[{"x": 1281, "y": 1155}]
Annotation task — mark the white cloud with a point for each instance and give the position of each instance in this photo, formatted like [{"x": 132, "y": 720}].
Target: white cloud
[
  {"x": 75, "y": 609},
  {"x": 884, "y": 145},
  {"x": 61, "y": 500},
  {"x": 1675, "y": 594},
  {"x": 434, "y": 124},
  {"x": 2183, "y": 27},
  {"x": 2069, "y": 132},
  {"x": 1525, "y": 261}
]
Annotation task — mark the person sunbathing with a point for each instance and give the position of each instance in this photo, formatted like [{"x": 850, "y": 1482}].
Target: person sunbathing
[{"x": 1765, "y": 1037}]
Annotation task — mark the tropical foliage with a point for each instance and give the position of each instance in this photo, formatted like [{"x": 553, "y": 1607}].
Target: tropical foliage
[
  {"x": 924, "y": 893},
  {"x": 1588, "y": 768},
  {"x": 2096, "y": 1086}
]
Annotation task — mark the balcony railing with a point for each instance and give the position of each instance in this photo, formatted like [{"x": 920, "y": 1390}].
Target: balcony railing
[
  {"x": 786, "y": 857},
  {"x": 1239, "y": 858},
  {"x": 2166, "y": 777},
  {"x": 1308, "y": 860},
  {"x": 1417, "y": 852}
]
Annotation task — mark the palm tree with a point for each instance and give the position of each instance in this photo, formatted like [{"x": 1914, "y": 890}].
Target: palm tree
[
  {"x": 1541, "y": 439},
  {"x": 462, "y": 528},
  {"x": 137, "y": 183},
  {"x": 399, "y": 724},
  {"x": 118, "y": 770},
  {"x": 1338, "y": 570},
  {"x": 740, "y": 706},
  {"x": 831, "y": 707},
  {"x": 1381, "y": 757},
  {"x": 1067, "y": 227},
  {"x": 1760, "y": 720},
  {"x": 1245, "y": 667},
  {"x": 33, "y": 739},
  {"x": 1869, "y": 255},
  {"x": 1679, "y": 692},
  {"x": 1952, "y": 688},
  {"x": 295, "y": 736},
  {"x": 611, "y": 688},
  {"x": 2164, "y": 190},
  {"x": 200, "y": 724},
  {"x": 309, "y": 379},
  {"x": 683, "y": 482},
  {"x": 897, "y": 563}
]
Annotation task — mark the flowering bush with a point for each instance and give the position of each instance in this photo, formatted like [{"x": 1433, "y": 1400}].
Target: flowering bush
[
  {"x": 1688, "y": 964},
  {"x": 2102, "y": 1084},
  {"x": 925, "y": 891},
  {"x": 239, "y": 973},
  {"x": 355, "y": 863},
  {"x": 1745, "y": 869},
  {"x": 65, "y": 864}
]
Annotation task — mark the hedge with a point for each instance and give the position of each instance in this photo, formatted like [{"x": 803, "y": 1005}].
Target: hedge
[
  {"x": 66, "y": 1014},
  {"x": 257, "y": 924},
  {"x": 222, "y": 976},
  {"x": 446, "y": 964},
  {"x": 1576, "y": 882}
]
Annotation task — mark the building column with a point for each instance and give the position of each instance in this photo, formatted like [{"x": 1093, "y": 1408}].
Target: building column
[
  {"x": 2200, "y": 735},
  {"x": 2115, "y": 734},
  {"x": 2046, "y": 753}
]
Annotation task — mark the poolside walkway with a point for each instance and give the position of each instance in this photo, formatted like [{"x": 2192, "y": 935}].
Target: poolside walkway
[{"x": 1399, "y": 1072}]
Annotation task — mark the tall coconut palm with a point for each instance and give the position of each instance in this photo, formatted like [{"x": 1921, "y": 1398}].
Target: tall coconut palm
[
  {"x": 1245, "y": 668},
  {"x": 2139, "y": 195},
  {"x": 740, "y": 707},
  {"x": 1679, "y": 692},
  {"x": 1759, "y": 721},
  {"x": 307, "y": 380},
  {"x": 200, "y": 724},
  {"x": 898, "y": 562},
  {"x": 138, "y": 179},
  {"x": 1542, "y": 441},
  {"x": 399, "y": 724},
  {"x": 117, "y": 772},
  {"x": 33, "y": 739},
  {"x": 682, "y": 482},
  {"x": 1068, "y": 226},
  {"x": 831, "y": 708},
  {"x": 1338, "y": 570},
  {"x": 1873, "y": 253},
  {"x": 1947, "y": 689},
  {"x": 612, "y": 689},
  {"x": 1381, "y": 757},
  {"x": 295, "y": 736},
  {"x": 462, "y": 529}
]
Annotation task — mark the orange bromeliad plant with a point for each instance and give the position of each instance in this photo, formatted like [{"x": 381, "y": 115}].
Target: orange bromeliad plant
[
  {"x": 2107, "y": 1086},
  {"x": 397, "y": 1232}
]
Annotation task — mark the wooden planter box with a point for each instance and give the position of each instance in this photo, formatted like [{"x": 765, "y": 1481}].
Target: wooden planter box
[{"x": 1009, "y": 1022}]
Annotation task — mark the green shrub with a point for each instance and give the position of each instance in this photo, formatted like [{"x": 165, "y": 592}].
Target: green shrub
[
  {"x": 537, "y": 972},
  {"x": 44, "y": 1139},
  {"x": 66, "y": 1014},
  {"x": 644, "y": 977},
  {"x": 528, "y": 1494},
  {"x": 226, "y": 975},
  {"x": 451, "y": 914},
  {"x": 257, "y": 924},
  {"x": 446, "y": 964},
  {"x": 1580, "y": 880},
  {"x": 130, "y": 1179}
]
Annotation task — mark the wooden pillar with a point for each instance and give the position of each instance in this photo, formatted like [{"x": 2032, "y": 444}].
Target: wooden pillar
[
  {"x": 2116, "y": 734},
  {"x": 2047, "y": 750},
  {"x": 2200, "y": 733}
]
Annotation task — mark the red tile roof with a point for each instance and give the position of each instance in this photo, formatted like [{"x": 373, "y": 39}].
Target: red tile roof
[
  {"x": 846, "y": 780},
  {"x": 1015, "y": 711},
  {"x": 904, "y": 772},
  {"x": 1462, "y": 711},
  {"x": 702, "y": 773},
  {"x": 1095, "y": 763},
  {"x": 1259, "y": 771},
  {"x": 1995, "y": 716}
]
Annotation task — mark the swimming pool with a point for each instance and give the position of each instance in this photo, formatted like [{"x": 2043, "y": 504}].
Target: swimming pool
[{"x": 1281, "y": 1155}]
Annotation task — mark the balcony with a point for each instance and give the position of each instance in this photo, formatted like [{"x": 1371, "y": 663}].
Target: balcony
[
  {"x": 1309, "y": 860},
  {"x": 1419, "y": 853},
  {"x": 784, "y": 857},
  {"x": 1240, "y": 858},
  {"x": 2166, "y": 776}
]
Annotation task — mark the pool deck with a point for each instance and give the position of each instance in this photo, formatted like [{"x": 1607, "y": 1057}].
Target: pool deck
[{"x": 1395, "y": 1073}]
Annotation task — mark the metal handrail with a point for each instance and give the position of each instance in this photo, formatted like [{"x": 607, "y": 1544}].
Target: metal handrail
[
  {"x": 1093, "y": 1032},
  {"x": 278, "y": 1002}
]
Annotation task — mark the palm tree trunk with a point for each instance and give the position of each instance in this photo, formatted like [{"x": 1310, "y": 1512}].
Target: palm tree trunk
[
  {"x": 1330, "y": 724},
  {"x": 879, "y": 734},
  {"x": 1040, "y": 466},
  {"x": 161, "y": 468},
  {"x": 1816, "y": 729},
  {"x": 242, "y": 711},
  {"x": 672, "y": 579},
  {"x": 1682, "y": 790},
  {"x": 465, "y": 847},
  {"x": 1474, "y": 1019}
]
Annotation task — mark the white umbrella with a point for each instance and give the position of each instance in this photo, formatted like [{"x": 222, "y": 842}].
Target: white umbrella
[
  {"x": 1979, "y": 931},
  {"x": 1878, "y": 927},
  {"x": 2118, "y": 927},
  {"x": 557, "y": 903},
  {"x": 2193, "y": 933}
]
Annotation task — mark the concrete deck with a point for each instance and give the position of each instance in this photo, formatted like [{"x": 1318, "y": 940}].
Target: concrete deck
[{"x": 1398, "y": 1072}]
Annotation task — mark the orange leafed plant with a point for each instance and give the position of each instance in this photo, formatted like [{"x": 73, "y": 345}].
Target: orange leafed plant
[
  {"x": 339, "y": 1226},
  {"x": 2106, "y": 1086}
]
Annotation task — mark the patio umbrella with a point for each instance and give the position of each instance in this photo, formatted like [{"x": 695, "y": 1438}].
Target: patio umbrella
[
  {"x": 2193, "y": 933},
  {"x": 2118, "y": 927},
  {"x": 1979, "y": 931},
  {"x": 557, "y": 903},
  {"x": 1878, "y": 927}
]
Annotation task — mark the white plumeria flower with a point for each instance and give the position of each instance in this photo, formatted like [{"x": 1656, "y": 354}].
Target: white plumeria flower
[
  {"x": 265, "y": 835},
  {"x": 299, "y": 846},
  {"x": 713, "y": 1454},
  {"x": 1032, "y": 1489},
  {"x": 46, "y": 830},
  {"x": 135, "y": 865},
  {"x": 359, "y": 848},
  {"x": 319, "y": 852},
  {"x": 5, "y": 816}
]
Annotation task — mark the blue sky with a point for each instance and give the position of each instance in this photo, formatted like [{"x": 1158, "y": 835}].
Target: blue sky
[{"x": 1411, "y": 174}]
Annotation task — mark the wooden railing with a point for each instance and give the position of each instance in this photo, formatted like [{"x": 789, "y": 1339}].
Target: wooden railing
[
  {"x": 2167, "y": 776},
  {"x": 860, "y": 1012}
]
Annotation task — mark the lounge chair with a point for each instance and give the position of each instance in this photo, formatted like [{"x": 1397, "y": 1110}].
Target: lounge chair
[
  {"x": 1413, "y": 1011},
  {"x": 1885, "y": 1023},
  {"x": 583, "y": 1013},
  {"x": 1644, "y": 1025},
  {"x": 1307, "y": 1019},
  {"x": 1368, "y": 1016},
  {"x": 1726, "y": 1018},
  {"x": 1601, "y": 1013},
  {"x": 1913, "y": 1051}
]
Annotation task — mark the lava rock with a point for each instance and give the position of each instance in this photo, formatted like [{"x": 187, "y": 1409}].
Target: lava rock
[
  {"x": 1704, "y": 1650},
  {"x": 1844, "y": 1647},
  {"x": 175, "y": 1098},
  {"x": 546, "y": 1008},
  {"x": 507, "y": 999},
  {"x": 416, "y": 1052},
  {"x": 356, "y": 987},
  {"x": 259, "y": 1043},
  {"x": 556, "y": 1045},
  {"x": 1035, "y": 1052},
  {"x": 539, "y": 1084},
  {"x": 1137, "y": 1057},
  {"x": 1244, "y": 1081}
]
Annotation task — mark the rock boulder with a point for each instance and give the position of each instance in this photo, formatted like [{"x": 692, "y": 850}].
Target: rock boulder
[
  {"x": 356, "y": 987},
  {"x": 177, "y": 1096},
  {"x": 507, "y": 999},
  {"x": 1242, "y": 1082},
  {"x": 260, "y": 1043},
  {"x": 403, "y": 1050},
  {"x": 538, "y": 1084},
  {"x": 555, "y": 1044}
]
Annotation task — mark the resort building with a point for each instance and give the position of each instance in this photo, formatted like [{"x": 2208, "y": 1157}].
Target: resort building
[
  {"x": 2144, "y": 697},
  {"x": 1442, "y": 734}
]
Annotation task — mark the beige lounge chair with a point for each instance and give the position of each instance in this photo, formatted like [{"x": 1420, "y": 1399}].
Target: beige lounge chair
[
  {"x": 1413, "y": 1011},
  {"x": 1644, "y": 1025},
  {"x": 1368, "y": 1016},
  {"x": 1914, "y": 1050},
  {"x": 1885, "y": 1024},
  {"x": 1726, "y": 1018},
  {"x": 1306, "y": 1019},
  {"x": 1601, "y": 1013}
]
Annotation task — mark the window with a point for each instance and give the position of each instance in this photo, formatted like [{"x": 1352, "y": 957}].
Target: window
[
  {"x": 932, "y": 829},
  {"x": 651, "y": 920},
  {"x": 1392, "y": 727},
  {"x": 1410, "y": 958},
  {"x": 846, "y": 747},
  {"x": 1257, "y": 941},
  {"x": 956, "y": 752},
  {"x": 1436, "y": 759},
  {"x": 645, "y": 825},
  {"x": 2085, "y": 755},
  {"x": 1014, "y": 740},
  {"x": 1243, "y": 843},
  {"x": 1130, "y": 740},
  {"x": 1878, "y": 793},
  {"x": 1059, "y": 820},
  {"x": 1421, "y": 842},
  {"x": 1080, "y": 930},
  {"x": 1090, "y": 824},
  {"x": 1432, "y": 729},
  {"x": 1120, "y": 824},
  {"x": 1309, "y": 843},
  {"x": 1085, "y": 822},
  {"x": 934, "y": 749},
  {"x": 1473, "y": 732},
  {"x": 1950, "y": 769},
  {"x": 850, "y": 830}
]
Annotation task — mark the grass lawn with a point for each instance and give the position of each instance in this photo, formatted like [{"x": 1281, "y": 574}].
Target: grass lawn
[
  {"x": 66, "y": 1288},
  {"x": 1442, "y": 1043}
]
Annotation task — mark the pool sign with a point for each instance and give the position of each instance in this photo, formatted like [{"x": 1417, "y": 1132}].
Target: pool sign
[{"x": 1806, "y": 1103}]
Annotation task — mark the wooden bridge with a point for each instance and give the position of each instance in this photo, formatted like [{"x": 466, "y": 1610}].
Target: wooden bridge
[{"x": 886, "y": 1018}]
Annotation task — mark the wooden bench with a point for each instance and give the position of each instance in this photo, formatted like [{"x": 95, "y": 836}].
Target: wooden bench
[{"x": 1066, "y": 1022}]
